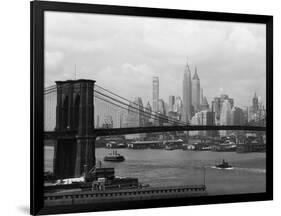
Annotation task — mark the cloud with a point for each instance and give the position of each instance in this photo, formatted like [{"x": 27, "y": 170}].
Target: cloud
[
  {"x": 123, "y": 54},
  {"x": 127, "y": 80},
  {"x": 52, "y": 59}
]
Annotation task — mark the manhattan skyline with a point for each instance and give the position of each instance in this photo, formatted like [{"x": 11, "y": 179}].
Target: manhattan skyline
[{"x": 123, "y": 54}]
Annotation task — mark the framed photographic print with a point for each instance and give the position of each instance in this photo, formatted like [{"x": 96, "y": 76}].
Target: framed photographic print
[{"x": 140, "y": 107}]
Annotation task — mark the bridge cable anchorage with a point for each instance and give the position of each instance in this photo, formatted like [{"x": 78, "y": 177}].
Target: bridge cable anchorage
[
  {"x": 125, "y": 108},
  {"x": 128, "y": 105},
  {"x": 140, "y": 110},
  {"x": 128, "y": 100}
]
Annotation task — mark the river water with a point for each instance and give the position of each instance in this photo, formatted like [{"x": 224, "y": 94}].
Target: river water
[{"x": 158, "y": 167}]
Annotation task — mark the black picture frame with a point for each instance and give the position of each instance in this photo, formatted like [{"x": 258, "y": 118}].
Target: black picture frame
[{"x": 37, "y": 91}]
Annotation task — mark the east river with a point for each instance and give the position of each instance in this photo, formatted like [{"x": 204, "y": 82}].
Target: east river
[{"x": 158, "y": 167}]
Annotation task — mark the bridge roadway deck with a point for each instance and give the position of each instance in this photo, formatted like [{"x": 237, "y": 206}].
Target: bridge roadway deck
[{"x": 133, "y": 130}]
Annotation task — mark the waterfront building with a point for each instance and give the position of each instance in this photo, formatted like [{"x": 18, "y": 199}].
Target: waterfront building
[
  {"x": 195, "y": 91},
  {"x": 187, "y": 103},
  {"x": 155, "y": 93}
]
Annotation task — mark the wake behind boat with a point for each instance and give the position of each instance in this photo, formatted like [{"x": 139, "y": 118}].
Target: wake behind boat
[{"x": 114, "y": 157}]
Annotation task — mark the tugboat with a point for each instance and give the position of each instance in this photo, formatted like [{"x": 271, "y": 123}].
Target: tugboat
[
  {"x": 223, "y": 165},
  {"x": 114, "y": 157}
]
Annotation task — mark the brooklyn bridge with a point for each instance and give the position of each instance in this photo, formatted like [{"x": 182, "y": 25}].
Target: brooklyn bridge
[{"x": 76, "y": 112}]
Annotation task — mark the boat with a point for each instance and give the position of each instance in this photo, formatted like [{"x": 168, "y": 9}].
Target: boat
[
  {"x": 223, "y": 165},
  {"x": 169, "y": 148},
  {"x": 114, "y": 157},
  {"x": 97, "y": 179}
]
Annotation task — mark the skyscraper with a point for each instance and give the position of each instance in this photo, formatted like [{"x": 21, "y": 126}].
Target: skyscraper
[
  {"x": 218, "y": 103},
  {"x": 196, "y": 91},
  {"x": 186, "y": 96},
  {"x": 148, "y": 110},
  {"x": 136, "y": 117},
  {"x": 155, "y": 94},
  {"x": 205, "y": 104},
  {"x": 161, "y": 107},
  {"x": 237, "y": 116},
  {"x": 225, "y": 116},
  {"x": 255, "y": 103},
  {"x": 201, "y": 95},
  {"x": 205, "y": 117},
  {"x": 171, "y": 103},
  {"x": 178, "y": 104}
]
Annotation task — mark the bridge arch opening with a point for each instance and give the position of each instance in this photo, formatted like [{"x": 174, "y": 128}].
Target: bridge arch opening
[
  {"x": 65, "y": 112},
  {"x": 76, "y": 111}
]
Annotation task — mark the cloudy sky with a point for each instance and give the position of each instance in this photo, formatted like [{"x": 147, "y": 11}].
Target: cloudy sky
[{"x": 123, "y": 53}]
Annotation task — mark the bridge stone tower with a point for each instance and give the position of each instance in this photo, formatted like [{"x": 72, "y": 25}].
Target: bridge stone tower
[{"x": 74, "y": 114}]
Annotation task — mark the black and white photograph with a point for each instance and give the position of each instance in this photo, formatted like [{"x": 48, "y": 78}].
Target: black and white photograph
[
  {"x": 117, "y": 107},
  {"x": 132, "y": 79},
  {"x": 145, "y": 108}
]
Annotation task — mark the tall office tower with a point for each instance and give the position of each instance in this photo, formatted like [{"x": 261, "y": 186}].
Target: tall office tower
[
  {"x": 205, "y": 104},
  {"x": 216, "y": 108},
  {"x": 161, "y": 107},
  {"x": 171, "y": 103},
  {"x": 178, "y": 104},
  {"x": 196, "y": 91},
  {"x": 218, "y": 103},
  {"x": 225, "y": 117},
  {"x": 195, "y": 120},
  {"x": 226, "y": 97},
  {"x": 148, "y": 110},
  {"x": 186, "y": 95},
  {"x": 204, "y": 117},
  {"x": 201, "y": 96},
  {"x": 237, "y": 116},
  {"x": 136, "y": 117},
  {"x": 255, "y": 103},
  {"x": 155, "y": 94}
]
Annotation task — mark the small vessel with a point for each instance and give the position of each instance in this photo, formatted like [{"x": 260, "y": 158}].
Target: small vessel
[
  {"x": 223, "y": 165},
  {"x": 114, "y": 157},
  {"x": 170, "y": 148}
]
